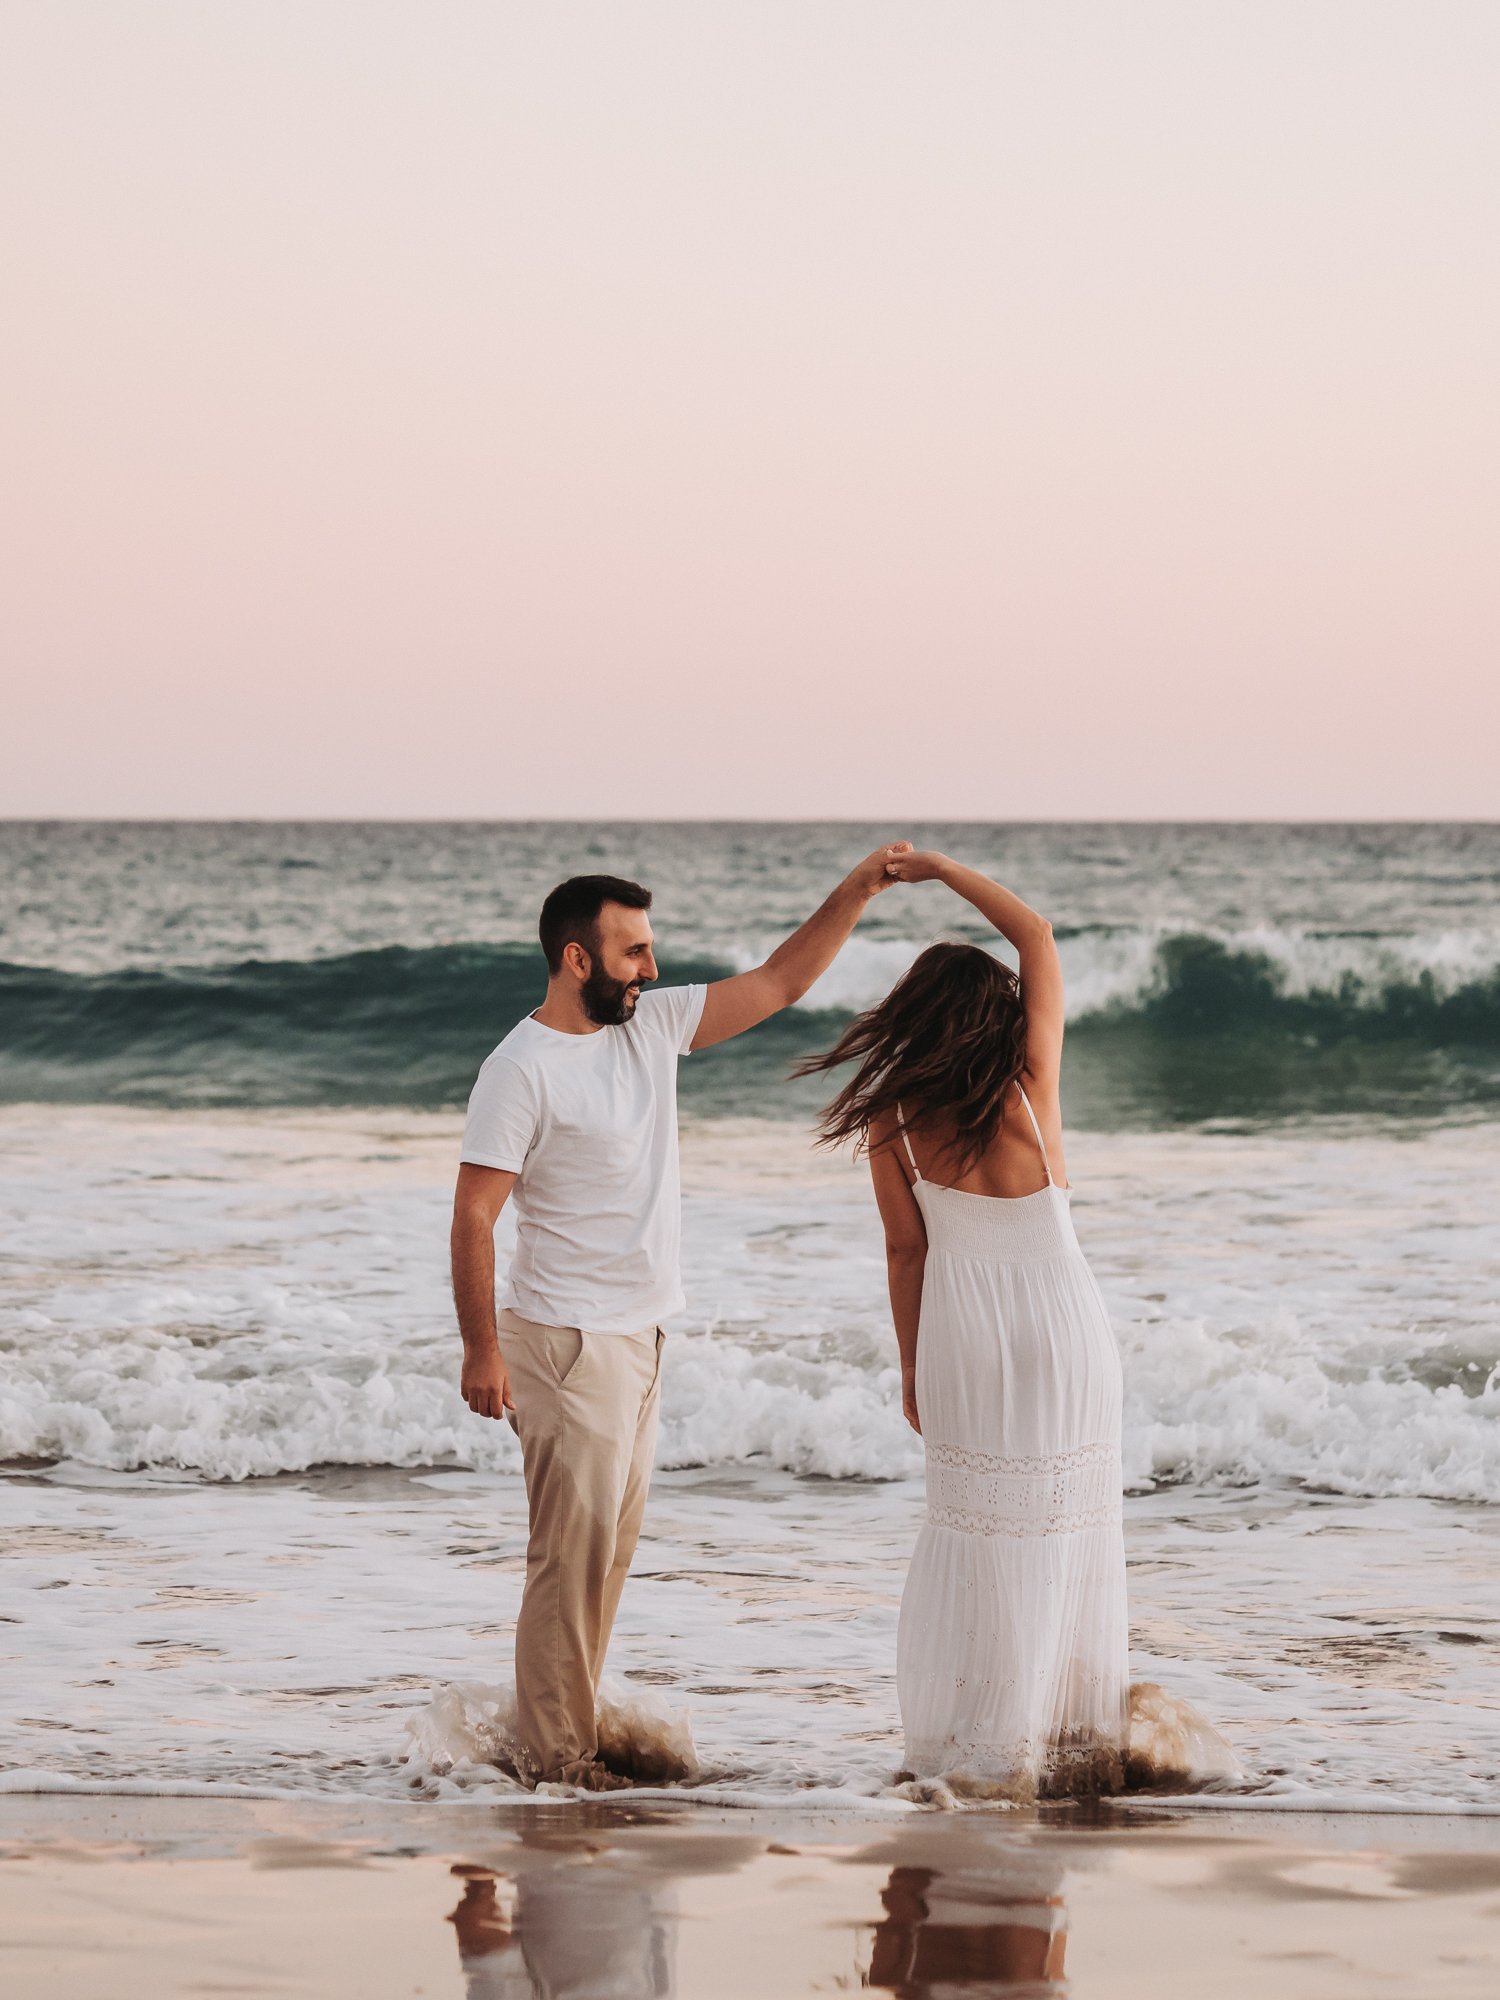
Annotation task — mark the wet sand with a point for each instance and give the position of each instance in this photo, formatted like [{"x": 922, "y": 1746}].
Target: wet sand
[{"x": 143, "y": 1899}]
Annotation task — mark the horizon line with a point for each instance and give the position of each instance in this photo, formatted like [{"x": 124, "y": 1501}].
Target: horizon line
[{"x": 727, "y": 819}]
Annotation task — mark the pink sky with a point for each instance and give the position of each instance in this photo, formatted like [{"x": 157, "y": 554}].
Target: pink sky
[{"x": 773, "y": 408}]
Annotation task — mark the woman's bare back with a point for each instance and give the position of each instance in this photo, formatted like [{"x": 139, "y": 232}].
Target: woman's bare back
[{"x": 1013, "y": 1166}]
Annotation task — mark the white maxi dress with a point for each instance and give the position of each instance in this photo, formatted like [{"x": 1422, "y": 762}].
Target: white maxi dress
[{"x": 1011, "y": 1657}]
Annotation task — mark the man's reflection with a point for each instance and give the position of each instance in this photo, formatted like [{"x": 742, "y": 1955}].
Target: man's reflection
[
  {"x": 561, "y": 1932},
  {"x": 573, "y": 1919},
  {"x": 969, "y": 1933}
]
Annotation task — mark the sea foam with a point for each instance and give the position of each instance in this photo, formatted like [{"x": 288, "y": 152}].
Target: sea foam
[
  {"x": 468, "y": 1731},
  {"x": 1116, "y": 971},
  {"x": 246, "y": 1298},
  {"x": 1201, "y": 1405}
]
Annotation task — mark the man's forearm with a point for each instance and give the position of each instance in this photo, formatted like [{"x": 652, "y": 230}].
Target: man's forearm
[
  {"x": 473, "y": 1252},
  {"x": 733, "y": 1005},
  {"x": 807, "y": 954}
]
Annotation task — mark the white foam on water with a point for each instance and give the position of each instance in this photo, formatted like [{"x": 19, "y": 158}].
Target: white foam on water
[
  {"x": 261, "y": 1294},
  {"x": 467, "y": 1735},
  {"x": 1170, "y": 1745},
  {"x": 24, "y": 1782},
  {"x": 1118, "y": 970}
]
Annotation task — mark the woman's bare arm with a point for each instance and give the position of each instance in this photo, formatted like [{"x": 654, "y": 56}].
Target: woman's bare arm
[
  {"x": 905, "y": 1257},
  {"x": 1031, "y": 934}
]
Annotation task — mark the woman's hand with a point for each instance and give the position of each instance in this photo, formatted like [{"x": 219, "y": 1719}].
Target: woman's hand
[
  {"x": 878, "y": 870},
  {"x": 919, "y": 865},
  {"x": 909, "y": 1399}
]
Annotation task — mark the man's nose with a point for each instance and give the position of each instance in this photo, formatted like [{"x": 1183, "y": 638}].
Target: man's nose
[{"x": 648, "y": 967}]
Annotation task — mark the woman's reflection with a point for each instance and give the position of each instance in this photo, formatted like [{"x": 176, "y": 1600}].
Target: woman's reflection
[
  {"x": 969, "y": 1933},
  {"x": 567, "y": 1934}
]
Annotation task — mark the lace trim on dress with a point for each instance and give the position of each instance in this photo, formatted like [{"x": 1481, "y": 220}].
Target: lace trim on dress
[
  {"x": 1045, "y": 1462},
  {"x": 971, "y": 1522},
  {"x": 1063, "y": 1493}
]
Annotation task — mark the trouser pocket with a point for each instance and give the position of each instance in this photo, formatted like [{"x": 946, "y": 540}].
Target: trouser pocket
[{"x": 565, "y": 1351}]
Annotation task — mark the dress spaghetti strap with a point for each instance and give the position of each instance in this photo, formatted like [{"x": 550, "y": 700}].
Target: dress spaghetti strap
[
  {"x": 1040, "y": 1142},
  {"x": 916, "y": 1171}
]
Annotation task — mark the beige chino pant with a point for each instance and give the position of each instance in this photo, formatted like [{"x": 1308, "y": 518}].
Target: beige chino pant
[{"x": 586, "y": 1406}]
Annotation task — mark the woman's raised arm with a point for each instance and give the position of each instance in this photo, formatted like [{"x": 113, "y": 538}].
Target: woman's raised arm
[{"x": 1029, "y": 932}]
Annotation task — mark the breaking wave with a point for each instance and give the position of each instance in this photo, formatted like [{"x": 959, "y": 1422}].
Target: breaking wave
[
  {"x": 1204, "y": 1405},
  {"x": 1174, "y": 1025}
]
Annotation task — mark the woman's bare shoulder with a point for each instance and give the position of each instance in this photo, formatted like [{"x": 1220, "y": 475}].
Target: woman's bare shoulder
[{"x": 1041, "y": 1086}]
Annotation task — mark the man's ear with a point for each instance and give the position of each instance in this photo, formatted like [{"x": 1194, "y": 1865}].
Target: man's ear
[{"x": 577, "y": 960}]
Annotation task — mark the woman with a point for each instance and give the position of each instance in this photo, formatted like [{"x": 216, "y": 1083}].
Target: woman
[{"x": 1011, "y": 1656}]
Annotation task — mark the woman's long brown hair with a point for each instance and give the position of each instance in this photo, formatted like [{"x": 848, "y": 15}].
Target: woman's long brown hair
[{"x": 946, "y": 1044}]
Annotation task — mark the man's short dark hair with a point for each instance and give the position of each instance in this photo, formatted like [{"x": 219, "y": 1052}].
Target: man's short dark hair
[{"x": 570, "y": 914}]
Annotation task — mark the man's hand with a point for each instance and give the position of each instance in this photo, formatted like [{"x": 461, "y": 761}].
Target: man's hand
[
  {"x": 917, "y": 864},
  {"x": 733, "y": 1005},
  {"x": 485, "y": 1385},
  {"x": 477, "y": 1200},
  {"x": 878, "y": 870}
]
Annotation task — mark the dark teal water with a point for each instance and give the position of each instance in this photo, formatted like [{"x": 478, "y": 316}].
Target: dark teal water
[{"x": 1247, "y": 974}]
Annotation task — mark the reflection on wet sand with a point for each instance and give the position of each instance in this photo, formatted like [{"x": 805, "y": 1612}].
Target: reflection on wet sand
[
  {"x": 571, "y": 1920},
  {"x": 549, "y": 1935},
  {"x": 586, "y": 1901},
  {"x": 969, "y": 1933}
]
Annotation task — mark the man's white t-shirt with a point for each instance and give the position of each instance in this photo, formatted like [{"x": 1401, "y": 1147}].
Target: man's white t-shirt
[{"x": 588, "y": 1123}]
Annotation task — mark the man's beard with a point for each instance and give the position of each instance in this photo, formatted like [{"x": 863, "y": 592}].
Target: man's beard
[{"x": 609, "y": 1003}]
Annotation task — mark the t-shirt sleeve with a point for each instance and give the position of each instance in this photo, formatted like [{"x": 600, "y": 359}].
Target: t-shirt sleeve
[
  {"x": 673, "y": 1012},
  {"x": 502, "y": 1118}
]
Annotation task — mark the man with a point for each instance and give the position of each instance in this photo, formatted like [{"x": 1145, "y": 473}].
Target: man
[{"x": 576, "y": 1113}]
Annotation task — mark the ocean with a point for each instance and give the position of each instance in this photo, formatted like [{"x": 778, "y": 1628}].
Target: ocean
[{"x": 254, "y": 1540}]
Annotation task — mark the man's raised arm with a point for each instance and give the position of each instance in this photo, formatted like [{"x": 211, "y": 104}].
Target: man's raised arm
[{"x": 733, "y": 1005}]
